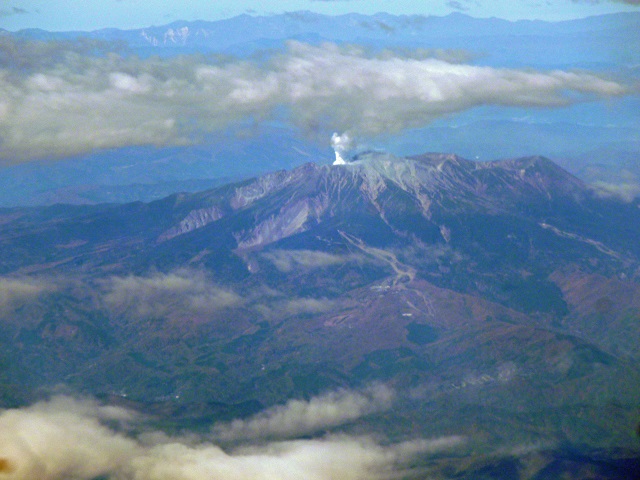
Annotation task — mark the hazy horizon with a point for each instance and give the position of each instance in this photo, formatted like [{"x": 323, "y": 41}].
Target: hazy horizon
[{"x": 123, "y": 14}]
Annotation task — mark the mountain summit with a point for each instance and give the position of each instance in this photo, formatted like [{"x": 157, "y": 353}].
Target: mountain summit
[{"x": 415, "y": 196}]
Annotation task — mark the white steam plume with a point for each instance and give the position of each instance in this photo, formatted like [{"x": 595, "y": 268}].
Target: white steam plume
[{"x": 341, "y": 145}]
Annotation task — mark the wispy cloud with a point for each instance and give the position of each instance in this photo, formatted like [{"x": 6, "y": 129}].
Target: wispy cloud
[
  {"x": 66, "y": 438},
  {"x": 299, "y": 417},
  {"x": 81, "y": 102},
  {"x": 12, "y": 11},
  {"x": 462, "y": 5},
  {"x": 278, "y": 308},
  {"x": 15, "y": 291},
  {"x": 289, "y": 260},
  {"x": 626, "y": 192},
  {"x": 298, "y": 306},
  {"x": 159, "y": 294}
]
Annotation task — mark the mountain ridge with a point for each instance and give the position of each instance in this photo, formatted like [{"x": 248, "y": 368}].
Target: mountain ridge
[
  {"x": 431, "y": 182},
  {"x": 611, "y": 19}
]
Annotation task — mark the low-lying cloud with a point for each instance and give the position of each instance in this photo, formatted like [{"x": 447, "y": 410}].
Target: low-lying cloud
[
  {"x": 305, "y": 305},
  {"x": 66, "y": 438},
  {"x": 79, "y": 102},
  {"x": 289, "y": 260},
  {"x": 157, "y": 295},
  {"x": 61, "y": 439},
  {"x": 275, "y": 305},
  {"x": 625, "y": 191},
  {"x": 300, "y": 417},
  {"x": 18, "y": 290},
  {"x": 192, "y": 293}
]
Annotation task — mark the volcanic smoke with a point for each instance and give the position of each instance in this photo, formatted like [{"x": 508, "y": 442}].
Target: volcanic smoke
[{"x": 341, "y": 145}]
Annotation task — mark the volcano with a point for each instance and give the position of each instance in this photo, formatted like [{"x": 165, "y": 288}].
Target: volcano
[{"x": 500, "y": 299}]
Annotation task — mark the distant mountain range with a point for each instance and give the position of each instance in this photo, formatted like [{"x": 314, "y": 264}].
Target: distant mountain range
[
  {"x": 588, "y": 139},
  {"x": 583, "y": 41},
  {"x": 500, "y": 298}
]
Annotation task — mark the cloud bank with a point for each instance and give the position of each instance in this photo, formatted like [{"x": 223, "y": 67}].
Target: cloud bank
[
  {"x": 66, "y": 438},
  {"x": 76, "y": 102},
  {"x": 61, "y": 439}
]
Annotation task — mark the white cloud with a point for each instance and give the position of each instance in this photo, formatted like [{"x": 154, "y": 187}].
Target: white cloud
[
  {"x": 157, "y": 295},
  {"x": 298, "y": 306},
  {"x": 289, "y": 260},
  {"x": 65, "y": 438},
  {"x": 56, "y": 103},
  {"x": 625, "y": 191},
  {"x": 61, "y": 439},
  {"x": 18, "y": 290},
  {"x": 274, "y": 304},
  {"x": 300, "y": 417}
]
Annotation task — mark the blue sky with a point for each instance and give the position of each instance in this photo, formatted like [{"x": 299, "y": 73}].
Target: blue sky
[{"x": 94, "y": 14}]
